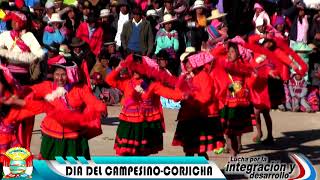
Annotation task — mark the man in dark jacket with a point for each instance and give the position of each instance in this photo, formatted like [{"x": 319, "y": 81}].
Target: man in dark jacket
[
  {"x": 315, "y": 30},
  {"x": 81, "y": 52},
  {"x": 137, "y": 36}
]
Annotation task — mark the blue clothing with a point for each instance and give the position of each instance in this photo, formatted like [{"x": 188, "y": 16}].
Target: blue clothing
[
  {"x": 134, "y": 41},
  {"x": 31, "y": 3},
  {"x": 3, "y": 26},
  {"x": 55, "y": 37},
  {"x": 108, "y": 71},
  {"x": 169, "y": 104}
]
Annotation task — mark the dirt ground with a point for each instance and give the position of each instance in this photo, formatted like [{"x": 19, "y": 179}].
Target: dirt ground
[{"x": 293, "y": 132}]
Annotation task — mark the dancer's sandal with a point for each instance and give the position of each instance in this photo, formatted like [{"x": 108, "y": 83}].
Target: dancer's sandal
[
  {"x": 219, "y": 150},
  {"x": 257, "y": 139}
]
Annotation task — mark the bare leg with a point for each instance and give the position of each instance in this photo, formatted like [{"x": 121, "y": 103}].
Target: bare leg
[
  {"x": 267, "y": 118},
  {"x": 234, "y": 145},
  {"x": 228, "y": 144},
  {"x": 258, "y": 136},
  {"x": 25, "y": 132}
]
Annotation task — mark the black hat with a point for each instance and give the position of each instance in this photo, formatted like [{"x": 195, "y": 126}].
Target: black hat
[
  {"x": 163, "y": 54},
  {"x": 157, "y": 1},
  {"x": 5, "y": 5},
  {"x": 123, "y": 3},
  {"x": 87, "y": 4},
  {"x": 54, "y": 47},
  {"x": 91, "y": 18},
  {"x": 137, "y": 10},
  {"x": 109, "y": 42},
  {"x": 168, "y": 1},
  {"x": 104, "y": 55},
  {"x": 76, "y": 42},
  {"x": 38, "y": 7}
]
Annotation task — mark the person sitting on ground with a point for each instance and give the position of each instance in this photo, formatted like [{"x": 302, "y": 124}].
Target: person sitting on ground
[{"x": 298, "y": 92}]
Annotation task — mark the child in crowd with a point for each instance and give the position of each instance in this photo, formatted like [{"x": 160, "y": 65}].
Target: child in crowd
[
  {"x": 298, "y": 92},
  {"x": 102, "y": 90}
]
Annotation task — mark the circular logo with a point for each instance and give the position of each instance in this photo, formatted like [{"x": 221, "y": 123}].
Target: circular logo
[{"x": 17, "y": 163}]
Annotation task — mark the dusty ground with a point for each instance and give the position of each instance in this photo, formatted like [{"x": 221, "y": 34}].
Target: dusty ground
[{"x": 294, "y": 132}]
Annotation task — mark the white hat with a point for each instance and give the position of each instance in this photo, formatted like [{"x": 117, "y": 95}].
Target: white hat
[
  {"x": 49, "y": 4},
  {"x": 188, "y": 51},
  {"x": 152, "y": 12},
  {"x": 257, "y": 6},
  {"x": 198, "y": 4},
  {"x": 168, "y": 18},
  {"x": 105, "y": 13},
  {"x": 55, "y": 18},
  {"x": 215, "y": 14}
]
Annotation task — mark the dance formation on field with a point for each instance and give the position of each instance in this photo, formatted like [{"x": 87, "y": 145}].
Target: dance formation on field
[
  {"x": 220, "y": 85},
  {"x": 220, "y": 92}
]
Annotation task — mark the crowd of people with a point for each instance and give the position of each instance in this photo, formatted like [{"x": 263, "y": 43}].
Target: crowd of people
[{"x": 221, "y": 63}]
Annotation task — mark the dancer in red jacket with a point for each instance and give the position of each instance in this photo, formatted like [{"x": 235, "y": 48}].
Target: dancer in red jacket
[
  {"x": 140, "y": 131},
  {"x": 260, "y": 92},
  {"x": 272, "y": 93},
  {"x": 198, "y": 119},
  {"x": 60, "y": 136},
  {"x": 236, "y": 79}
]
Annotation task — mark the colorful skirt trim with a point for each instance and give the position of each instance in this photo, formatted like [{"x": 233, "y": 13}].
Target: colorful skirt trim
[
  {"x": 52, "y": 147},
  {"x": 8, "y": 138},
  {"x": 8, "y": 141},
  {"x": 139, "y": 139},
  {"x": 236, "y": 121},
  {"x": 198, "y": 135}
]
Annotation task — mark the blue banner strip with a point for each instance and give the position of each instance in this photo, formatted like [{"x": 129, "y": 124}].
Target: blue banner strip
[
  {"x": 82, "y": 160},
  {"x": 149, "y": 160},
  {"x": 71, "y": 160},
  {"x": 60, "y": 160}
]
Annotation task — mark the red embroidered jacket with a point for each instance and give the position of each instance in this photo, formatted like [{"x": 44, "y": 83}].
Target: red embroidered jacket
[
  {"x": 139, "y": 107},
  {"x": 78, "y": 99},
  {"x": 96, "y": 40}
]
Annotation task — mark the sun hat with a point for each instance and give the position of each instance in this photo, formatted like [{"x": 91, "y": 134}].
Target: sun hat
[
  {"x": 200, "y": 59},
  {"x": 152, "y": 12},
  {"x": 49, "y": 5},
  {"x": 167, "y": 18},
  {"x": 187, "y": 52},
  {"x": 56, "y": 18},
  {"x": 257, "y": 6},
  {"x": 76, "y": 42},
  {"x": 113, "y": 3},
  {"x": 71, "y": 68},
  {"x": 198, "y": 4},
  {"x": 180, "y": 9},
  {"x": 215, "y": 14},
  {"x": 105, "y": 13},
  {"x": 110, "y": 42}
]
